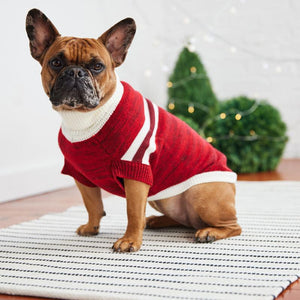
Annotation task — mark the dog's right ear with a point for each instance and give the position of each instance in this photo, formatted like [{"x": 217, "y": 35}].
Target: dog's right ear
[{"x": 41, "y": 33}]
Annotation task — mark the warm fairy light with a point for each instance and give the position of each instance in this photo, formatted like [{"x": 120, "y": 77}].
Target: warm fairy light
[
  {"x": 148, "y": 73},
  {"x": 169, "y": 84},
  {"x": 171, "y": 106},
  {"x": 252, "y": 132},
  {"x": 238, "y": 117},
  {"x": 192, "y": 48},
  {"x": 186, "y": 20},
  {"x": 233, "y": 10},
  {"x": 233, "y": 49},
  {"x": 193, "y": 69},
  {"x": 208, "y": 38},
  {"x": 223, "y": 116},
  {"x": 209, "y": 139},
  {"x": 265, "y": 65},
  {"x": 191, "y": 109}
]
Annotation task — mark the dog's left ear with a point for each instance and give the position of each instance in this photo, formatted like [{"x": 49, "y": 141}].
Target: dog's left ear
[
  {"x": 118, "y": 38},
  {"x": 41, "y": 33}
]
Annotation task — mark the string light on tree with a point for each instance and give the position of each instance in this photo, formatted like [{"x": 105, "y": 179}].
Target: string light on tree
[
  {"x": 169, "y": 84},
  {"x": 171, "y": 106},
  {"x": 222, "y": 115},
  {"x": 193, "y": 69},
  {"x": 238, "y": 117},
  {"x": 191, "y": 109}
]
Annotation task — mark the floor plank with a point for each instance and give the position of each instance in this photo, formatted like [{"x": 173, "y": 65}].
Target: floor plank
[
  {"x": 288, "y": 169},
  {"x": 30, "y": 208}
]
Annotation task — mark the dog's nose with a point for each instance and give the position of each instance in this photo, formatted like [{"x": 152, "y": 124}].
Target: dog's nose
[{"x": 76, "y": 72}]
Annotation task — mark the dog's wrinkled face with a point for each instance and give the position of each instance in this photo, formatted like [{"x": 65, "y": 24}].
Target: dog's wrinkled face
[{"x": 77, "y": 73}]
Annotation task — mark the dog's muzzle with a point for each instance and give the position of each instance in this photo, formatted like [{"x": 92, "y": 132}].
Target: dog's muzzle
[{"x": 74, "y": 88}]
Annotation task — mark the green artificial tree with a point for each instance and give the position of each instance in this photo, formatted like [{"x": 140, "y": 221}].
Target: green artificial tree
[
  {"x": 250, "y": 133},
  {"x": 189, "y": 90}
]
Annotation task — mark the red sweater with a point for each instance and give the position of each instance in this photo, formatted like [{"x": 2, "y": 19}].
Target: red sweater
[{"x": 143, "y": 142}]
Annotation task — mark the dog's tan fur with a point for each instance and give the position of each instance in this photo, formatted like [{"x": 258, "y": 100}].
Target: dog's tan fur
[{"x": 209, "y": 207}]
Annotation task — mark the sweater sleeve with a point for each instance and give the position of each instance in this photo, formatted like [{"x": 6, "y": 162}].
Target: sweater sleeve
[
  {"x": 68, "y": 169},
  {"x": 132, "y": 170}
]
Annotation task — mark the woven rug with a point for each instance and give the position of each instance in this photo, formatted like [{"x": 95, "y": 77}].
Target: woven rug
[{"x": 46, "y": 258}]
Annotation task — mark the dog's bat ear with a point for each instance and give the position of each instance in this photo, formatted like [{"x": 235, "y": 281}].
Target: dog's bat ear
[
  {"x": 41, "y": 33},
  {"x": 118, "y": 38}
]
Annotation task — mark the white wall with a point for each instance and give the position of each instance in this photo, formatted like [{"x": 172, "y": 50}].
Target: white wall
[{"x": 248, "y": 47}]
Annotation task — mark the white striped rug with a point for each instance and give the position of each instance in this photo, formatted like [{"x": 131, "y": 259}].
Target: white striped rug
[{"x": 46, "y": 258}]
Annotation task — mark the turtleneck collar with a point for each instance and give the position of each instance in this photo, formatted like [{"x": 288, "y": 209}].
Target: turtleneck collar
[{"x": 79, "y": 126}]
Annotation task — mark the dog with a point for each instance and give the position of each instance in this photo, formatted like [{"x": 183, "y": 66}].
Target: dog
[{"x": 114, "y": 139}]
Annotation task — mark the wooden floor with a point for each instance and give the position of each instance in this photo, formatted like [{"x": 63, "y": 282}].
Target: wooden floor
[{"x": 33, "y": 207}]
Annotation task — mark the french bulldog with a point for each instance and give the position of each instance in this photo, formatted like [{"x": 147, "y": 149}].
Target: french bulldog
[{"x": 112, "y": 138}]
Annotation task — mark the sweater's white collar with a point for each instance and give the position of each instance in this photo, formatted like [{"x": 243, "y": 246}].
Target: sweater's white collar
[{"x": 79, "y": 126}]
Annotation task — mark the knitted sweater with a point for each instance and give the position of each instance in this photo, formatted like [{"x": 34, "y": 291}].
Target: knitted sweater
[{"x": 131, "y": 137}]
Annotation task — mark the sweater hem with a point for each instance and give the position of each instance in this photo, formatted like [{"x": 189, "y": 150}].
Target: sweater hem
[{"x": 207, "y": 177}]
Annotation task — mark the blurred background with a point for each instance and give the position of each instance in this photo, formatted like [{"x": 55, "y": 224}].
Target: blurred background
[{"x": 249, "y": 47}]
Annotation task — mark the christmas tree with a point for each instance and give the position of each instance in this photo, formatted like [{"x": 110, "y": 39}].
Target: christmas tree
[
  {"x": 189, "y": 90},
  {"x": 250, "y": 133}
]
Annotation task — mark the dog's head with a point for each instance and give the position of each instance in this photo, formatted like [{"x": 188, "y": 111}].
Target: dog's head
[{"x": 77, "y": 73}]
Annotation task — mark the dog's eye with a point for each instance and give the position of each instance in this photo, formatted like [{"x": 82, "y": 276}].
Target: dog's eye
[
  {"x": 55, "y": 63},
  {"x": 98, "y": 67}
]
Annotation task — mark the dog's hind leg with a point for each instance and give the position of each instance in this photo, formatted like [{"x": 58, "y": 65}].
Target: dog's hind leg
[
  {"x": 215, "y": 205},
  {"x": 159, "y": 221}
]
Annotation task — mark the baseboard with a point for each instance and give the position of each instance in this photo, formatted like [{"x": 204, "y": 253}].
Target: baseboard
[{"x": 30, "y": 180}]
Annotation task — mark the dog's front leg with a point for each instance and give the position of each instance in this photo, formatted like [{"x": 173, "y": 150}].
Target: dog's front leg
[
  {"x": 93, "y": 202},
  {"x": 136, "y": 197}
]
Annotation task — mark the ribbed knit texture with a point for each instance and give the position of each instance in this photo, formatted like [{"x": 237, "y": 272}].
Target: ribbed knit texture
[
  {"x": 78, "y": 126},
  {"x": 133, "y": 170},
  {"x": 143, "y": 142}
]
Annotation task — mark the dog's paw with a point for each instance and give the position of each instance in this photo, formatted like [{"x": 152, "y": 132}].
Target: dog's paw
[
  {"x": 127, "y": 244},
  {"x": 211, "y": 234},
  {"x": 87, "y": 230},
  {"x": 206, "y": 235}
]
